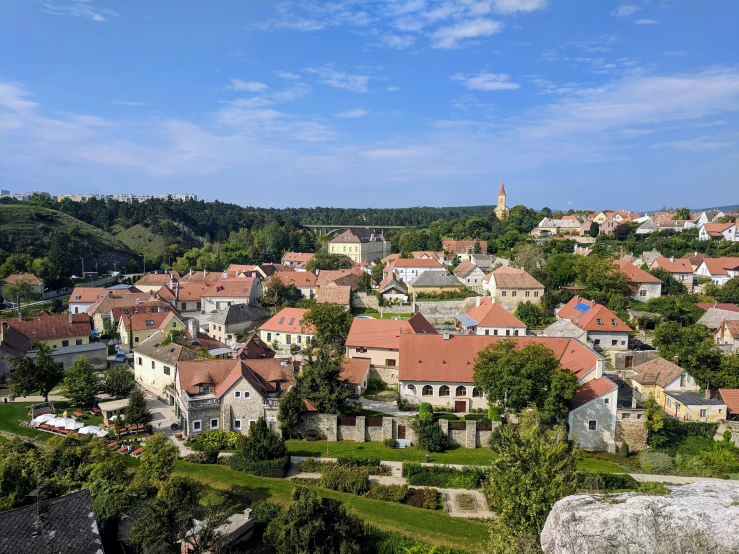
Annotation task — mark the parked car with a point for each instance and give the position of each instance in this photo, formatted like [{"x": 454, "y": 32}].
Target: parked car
[
  {"x": 121, "y": 358},
  {"x": 639, "y": 346}
]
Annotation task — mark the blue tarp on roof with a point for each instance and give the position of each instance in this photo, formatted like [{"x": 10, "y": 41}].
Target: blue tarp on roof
[
  {"x": 466, "y": 320},
  {"x": 582, "y": 307}
]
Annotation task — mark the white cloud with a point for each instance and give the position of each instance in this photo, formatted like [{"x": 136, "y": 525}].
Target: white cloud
[
  {"x": 247, "y": 86},
  {"x": 625, "y": 10},
  {"x": 399, "y": 42},
  {"x": 647, "y": 22},
  {"x": 486, "y": 81},
  {"x": 294, "y": 91},
  {"x": 511, "y": 6},
  {"x": 79, "y": 8},
  {"x": 697, "y": 144},
  {"x": 288, "y": 75},
  {"x": 392, "y": 88},
  {"x": 452, "y": 36},
  {"x": 344, "y": 81},
  {"x": 352, "y": 114}
]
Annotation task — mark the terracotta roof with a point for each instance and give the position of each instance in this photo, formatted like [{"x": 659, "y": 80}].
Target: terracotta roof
[
  {"x": 589, "y": 391},
  {"x": 192, "y": 373},
  {"x": 89, "y": 294},
  {"x": 30, "y": 277},
  {"x": 355, "y": 370},
  {"x": 719, "y": 266},
  {"x": 183, "y": 292},
  {"x": 718, "y": 305},
  {"x": 114, "y": 300},
  {"x": 151, "y": 279},
  {"x": 168, "y": 354},
  {"x": 143, "y": 321},
  {"x": 586, "y": 314},
  {"x": 695, "y": 258},
  {"x": 463, "y": 269},
  {"x": 63, "y": 525},
  {"x": 298, "y": 278},
  {"x": 673, "y": 265},
  {"x": 454, "y": 246},
  {"x": 237, "y": 288},
  {"x": 717, "y": 229},
  {"x": 731, "y": 399},
  {"x": 201, "y": 277},
  {"x": 502, "y": 188},
  {"x": 46, "y": 327},
  {"x": 149, "y": 307},
  {"x": 491, "y": 314},
  {"x": 287, "y": 320},
  {"x": 514, "y": 278},
  {"x": 262, "y": 374},
  {"x": 417, "y": 262},
  {"x": 389, "y": 258},
  {"x": 254, "y": 348},
  {"x": 433, "y": 358},
  {"x": 385, "y": 333},
  {"x": 236, "y": 268},
  {"x": 658, "y": 372},
  {"x": 635, "y": 274},
  {"x": 335, "y": 294},
  {"x": 300, "y": 257},
  {"x": 345, "y": 277},
  {"x": 426, "y": 254},
  {"x": 732, "y": 327}
]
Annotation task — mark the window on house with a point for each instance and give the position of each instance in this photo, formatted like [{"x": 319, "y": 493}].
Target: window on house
[
  {"x": 475, "y": 392},
  {"x": 614, "y": 343},
  {"x": 642, "y": 293},
  {"x": 514, "y": 293},
  {"x": 613, "y": 322},
  {"x": 361, "y": 350},
  {"x": 237, "y": 425},
  {"x": 444, "y": 390},
  {"x": 152, "y": 365},
  {"x": 252, "y": 423},
  {"x": 495, "y": 332},
  {"x": 299, "y": 339},
  {"x": 503, "y": 293},
  {"x": 135, "y": 339},
  {"x": 288, "y": 339},
  {"x": 411, "y": 388},
  {"x": 682, "y": 380},
  {"x": 197, "y": 425},
  {"x": 606, "y": 400},
  {"x": 214, "y": 423},
  {"x": 427, "y": 390},
  {"x": 237, "y": 394},
  {"x": 599, "y": 322},
  {"x": 247, "y": 394},
  {"x": 528, "y": 293},
  {"x": 65, "y": 343},
  {"x": 174, "y": 325},
  {"x": 625, "y": 415},
  {"x": 78, "y": 342},
  {"x": 203, "y": 388},
  {"x": 487, "y": 331},
  {"x": 125, "y": 311},
  {"x": 515, "y": 332},
  {"x": 536, "y": 293},
  {"x": 269, "y": 337},
  {"x": 507, "y": 332},
  {"x": 592, "y": 425},
  {"x": 703, "y": 413},
  {"x": 149, "y": 322},
  {"x": 596, "y": 341},
  {"x": 390, "y": 363},
  {"x": 461, "y": 391},
  {"x": 140, "y": 361},
  {"x": 167, "y": 370}
]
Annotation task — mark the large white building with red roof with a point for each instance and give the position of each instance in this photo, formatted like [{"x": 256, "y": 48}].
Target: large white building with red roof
[
  {"x": 488, "y": 317},
  {"x": 604, "y": 328},
  {"x": 408, "y": 269},
  {"x": 718, "y": 270}
]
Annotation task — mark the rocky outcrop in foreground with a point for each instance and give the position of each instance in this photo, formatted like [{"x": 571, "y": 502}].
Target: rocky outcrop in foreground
[{"x": 701, "y": 518}]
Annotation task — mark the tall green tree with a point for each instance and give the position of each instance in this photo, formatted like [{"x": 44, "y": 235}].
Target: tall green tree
[
  {"x": 118, "y": 381},
  {"x": 519, "y": 377},
  {"x": 320, "y": 381},
  {"x": 331, "y": 323},
  {"x": 261, "y": 443},
  {"x": 137, "y": 412},
  {"x": 38, "y": 374},
  {"x": 530, "y": 314},
  {"x": 695, "y": 349},
  {"x": 330, "y": 262},
  {"x": 682, "y": 214},
  {"x": 290, "y": 407},
  {"x": 18, "y": 290},
  {"x": 377, "y": 272},
  {"x": 729, "y": 292},
  {"x": 560, "y": 270},
  {"x": 531, "y": 470},
  {"x": 670, "y": 285},
  {"x": 315, "y": 525},
  {"x": 81, "y": 383},
  {"x": 158, "y": 457}
]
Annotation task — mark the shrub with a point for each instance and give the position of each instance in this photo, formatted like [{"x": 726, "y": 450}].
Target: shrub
[
  {"x": 262, "y": 443},
  {"x": 727, "y": 436},
  {"x": 692, "y": 464},
  {"x": 314, "y": 465},
  {"x": 444, "y": 476},
  {"x": 494, "y": 413},
  {"x": 429, "y": 434},
  {"x": 652, "y": 488},
  {"x": 377, "y": 383},
  {"x": 389, "y": 443},
  {"x": 196, "y": 458},
  {"x": 623, "y": 451},
  {"x": 211, "y": 454},
  {"x": 423, "y": 498},
  {"x": 346, "y": 480},
  {"x": 720, "y": 460},
  {"x": 306, "y": 481},
  {"x": 371, "y": 466},
  {"x": 263, "y": 468},
  {"x": 425, "y": 412},
  {"x": 655, "y": 462},
  {"x": 599, "y": 482},
  {"x": 357, "y": 461},
  {"x": 222, "y": 440},
  {"x": 388, "y": 493}
]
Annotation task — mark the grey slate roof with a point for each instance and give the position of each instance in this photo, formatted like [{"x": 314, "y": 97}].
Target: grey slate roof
[
  {"x": 563, "y": 328},
  {"x": 435, "y": 279},
  {"x": 694, "y": 399},
  {"x": 714, "y": 316},
  {"x": 239, "y": 313},
  {"x": 66, "y": 526}
]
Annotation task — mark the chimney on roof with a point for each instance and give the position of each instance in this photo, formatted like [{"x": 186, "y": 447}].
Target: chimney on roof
[
  {"x": 672, "y": 259},
  {"x": 633, "y": 401},
  {"x": 110, "y": 294},
  {"x": 190, "y": 272},
  {"x": 447, "y": 335},
  {"x": 676, "y": 360},
  {"x": 70, "y": 317},
  {"x": 192, "y": 327},
  {"x": 477, "y": 302},
  {"x": 205, "y": 273},
  {"x": 4, "y": 326},
  {"x": 708, "y": 391}
]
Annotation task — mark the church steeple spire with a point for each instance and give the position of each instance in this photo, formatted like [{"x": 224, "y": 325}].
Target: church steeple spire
[
  {"x": 502, "y": 188},
  {"x": 502, "y": 211}
]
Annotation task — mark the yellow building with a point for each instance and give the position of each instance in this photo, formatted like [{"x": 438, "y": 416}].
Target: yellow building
[
  {"x": 140, "y": 326},
  {"x": 56, "y": 331},
  {"x": 361, "y": 245}
]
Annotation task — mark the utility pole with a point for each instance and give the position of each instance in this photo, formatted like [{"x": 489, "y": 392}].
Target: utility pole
[{"x": 83, "y": 266}]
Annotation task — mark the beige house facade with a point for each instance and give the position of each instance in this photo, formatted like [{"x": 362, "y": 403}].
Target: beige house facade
[{"x": 361, "y": 245}]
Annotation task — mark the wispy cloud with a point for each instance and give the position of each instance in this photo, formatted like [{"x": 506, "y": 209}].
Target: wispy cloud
[
  {"x": 79, "y": 8},
  {"x": 646, "y": 22},
  {"x": 288, "y": 75},
  {"x": 625, "y": 10},
  {"x": 697, "y": 144},
  {"x": 398, "y": 42},
  {"x": 247, "y": 86},
  {"x": 352, "y": 114},
  {"x": 454, "y": 36},
  {"x": 486, "y": 81},
  {"x": 340, "y": 80},
  {"x": 512, "y": 6},
  {"x": 392, "y": 88}
]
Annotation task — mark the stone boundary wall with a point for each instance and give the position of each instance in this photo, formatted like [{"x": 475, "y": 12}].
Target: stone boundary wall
[
  {"x": 328, "y": 424},
  {"x": 632, "y": 432}
]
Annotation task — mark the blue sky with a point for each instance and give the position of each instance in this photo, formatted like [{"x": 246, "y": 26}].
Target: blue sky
[{"x": 385, "y": 103}]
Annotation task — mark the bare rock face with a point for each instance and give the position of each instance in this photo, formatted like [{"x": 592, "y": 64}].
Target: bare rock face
[{"x": 700, "y": 518}]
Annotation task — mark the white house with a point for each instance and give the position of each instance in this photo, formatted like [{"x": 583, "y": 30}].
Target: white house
[
  {"x": 718, "y": 231},
  {"x": 409, "y": 269},
  {"x": 718, "y": 270},
  {"x": 644, "y": 286},
  {"x": 488, "y": 317},
  {"x": 226, "y": 292},
  {"x": 469, "y": 274},
  {"x": 154, "y": 364}
]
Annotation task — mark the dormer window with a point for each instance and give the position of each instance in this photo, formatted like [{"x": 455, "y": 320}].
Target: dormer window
[
  {"x": 125, "y": 311},
  {"x": 149, "y": 322},
  {"x": 613, "y": 322},
  {"x": 77, "y": 297},
  {"x": 599, "y": 322},
  {"x": 204, "y": 388},
  {"x": 53, "y": 328}
]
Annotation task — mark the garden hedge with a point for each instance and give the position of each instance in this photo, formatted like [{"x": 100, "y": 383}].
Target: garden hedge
[{"x": 262, "y": 468}]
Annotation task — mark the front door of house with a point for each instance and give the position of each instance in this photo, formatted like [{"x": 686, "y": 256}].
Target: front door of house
[
  {"x": 460, "y": 406},
  {"x": 401, "y": 432}
]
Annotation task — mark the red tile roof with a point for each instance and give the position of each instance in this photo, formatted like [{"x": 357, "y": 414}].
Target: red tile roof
[
  {"x": 241, "y": 268},
  {"x": 355, "y": 370},
  {"x": 433, "y": 358},
  {"x": 589, "y": 391},
  {"x": 212, "y": 372},
  {"x": 89, "y": 294},
  {"x": 30, "y": 277},
  {"x": 255, "y": 348},
  {"x": 719, "y": 266},
  {"x": 415, "y": 262},
  {"x": 183, "y": 292},
  {"x": 287, "y": 320},
  {"x": 335, "y": 294},
  {"x": 385, "y": 333},
  {"x": 47, "y": 327},
  {"x": 454, "y": 246},
  {"x": 658, "y": 372},
  {"x": 635, "y": 274},
  {"x": 730, "y": 397},
  {"x": 297, "y": 278},
  {"x": 113, "y": 300},
  {"x": 201, "y": 277},
  {"x": 717, "y": 229},
  {"x": 300, "y": 257},
  {"x": 463, "y": 269},
  {"x": 237, "y": 288},
  {"x": 491, "y": 314},
  {"x": 514, "y": 278},
  {"x": 589, "y": 314},
  {"x": 718, "y": 305},
  {"x": 346, "y": 277},
  {"x": 673, "y": 265},
  {"x": 143, "y": 321},
  {"x": 154, "y": 279}
]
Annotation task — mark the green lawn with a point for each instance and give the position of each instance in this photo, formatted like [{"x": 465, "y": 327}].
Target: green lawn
[
  {"x": 599, "y": 466},
  {"x": 375, "y": 314},
  {"x": 433, "y": 527},
  {"x": 14, "y": 412},
  {"x": 459, "y": 455}
]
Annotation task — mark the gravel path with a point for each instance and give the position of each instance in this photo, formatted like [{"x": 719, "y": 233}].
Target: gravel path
[
  {"x": 390, "y": 408},
  {"x": 671, "y": 479}
]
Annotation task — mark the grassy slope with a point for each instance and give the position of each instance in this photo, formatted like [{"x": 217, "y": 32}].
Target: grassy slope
[
  {"x": 143, "y": 241},
  {"x": 434, "y": 527},
  {"x": 32, "y": 226}
]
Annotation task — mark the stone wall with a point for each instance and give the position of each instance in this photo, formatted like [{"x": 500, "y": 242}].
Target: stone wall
[
  {"x": 346, "y": 432},
  {"x": 483, "y": 437},
  {"x": 633, "y": 433},
  {"x": 386, "y": 373},
  {"x": 441, "y": 312},
  {"x": 638, "y": 358},
  {"x": 457, "y": 437},
  {"x": 364, "y": 300},
  {"x": 374, "y": 434}
]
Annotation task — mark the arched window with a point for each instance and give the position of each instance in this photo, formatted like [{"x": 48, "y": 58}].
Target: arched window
[
  {"x": 427, "y": 390},
  {"x": 444, "y": 390},
  {"x": 475, "y": 392},
  {"x": 461, "y": 391},
  {"x": 411, "y": 388}
]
